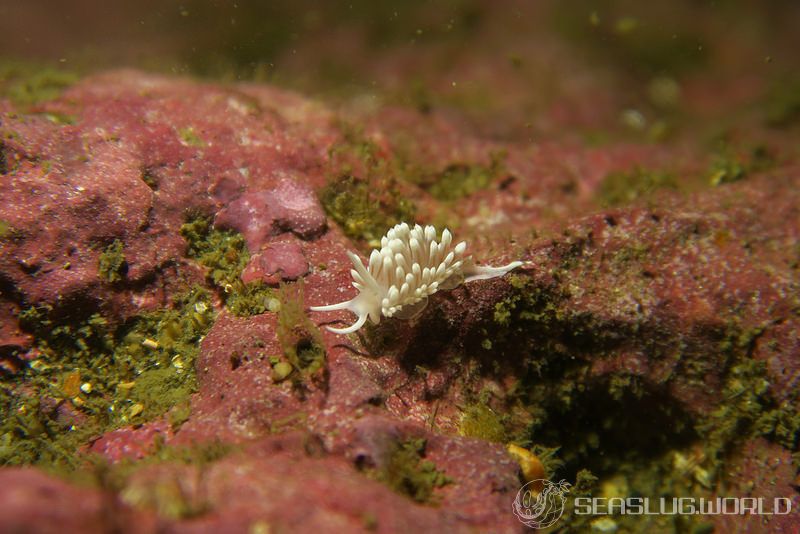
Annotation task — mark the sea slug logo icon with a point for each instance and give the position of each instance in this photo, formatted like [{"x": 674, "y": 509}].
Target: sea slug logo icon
[{"x": 540, "y": 503}]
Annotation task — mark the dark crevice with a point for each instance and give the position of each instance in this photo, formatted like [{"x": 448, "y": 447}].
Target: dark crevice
[
  {"x": 3, "y": 160},
  {"x": 601, "y": 433}
]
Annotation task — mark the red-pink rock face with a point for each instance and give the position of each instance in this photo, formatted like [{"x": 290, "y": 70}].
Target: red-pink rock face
[
  {"x": 765, "y": 471},
  {"x": 643, "y": 295},
  {"x": 33, "y": 501},
  {"x": 280, "y": 260},
  {"x": 135, "y": 164},
  {"x": 291, "y": 206}
]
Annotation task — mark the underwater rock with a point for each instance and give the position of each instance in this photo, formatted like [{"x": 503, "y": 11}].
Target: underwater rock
[
  {"x": 14, "y": 343},
  {"x": 259, "y": 215},
  {"x": 766, "y": 471},
  {"x": 678, "y": 307},
  {"x": 132, "y": 443},
  {"x": 31, "y": 500},
  {"x": 140, "y": 135},
  {"x": 251, "y": 216},
  {"x": 285, "y": 482},
  {"x": 279, "y": 260},
  {"x": 296, "y": 209}
]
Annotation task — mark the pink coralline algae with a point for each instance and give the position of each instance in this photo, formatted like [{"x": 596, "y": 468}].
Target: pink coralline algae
[
  {"x": 259, "y": 215},
  {"x": 652, "y": 343},
  {"x": 283, "y": 260}
]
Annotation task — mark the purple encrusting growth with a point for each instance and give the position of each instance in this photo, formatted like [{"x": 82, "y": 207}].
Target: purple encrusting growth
[
  {"x": 259, "y": 215},
  {"x": 277, "y": 261}
]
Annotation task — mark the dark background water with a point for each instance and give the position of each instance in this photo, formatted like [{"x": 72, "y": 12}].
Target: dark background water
[{"x": 499, "y": 63}]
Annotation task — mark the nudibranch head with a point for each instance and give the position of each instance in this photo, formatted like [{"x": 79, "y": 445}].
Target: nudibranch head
[{"x": 412, "y": 263}]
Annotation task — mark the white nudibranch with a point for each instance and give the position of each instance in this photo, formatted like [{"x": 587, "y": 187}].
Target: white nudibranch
[{"x": 410, "y": 266}]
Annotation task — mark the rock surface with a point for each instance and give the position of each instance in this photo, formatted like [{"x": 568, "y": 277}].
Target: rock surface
[{"x": 651, "y": 336}]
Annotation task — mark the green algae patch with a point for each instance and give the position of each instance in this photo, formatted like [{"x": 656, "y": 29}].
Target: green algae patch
[
  {"x": 729, "y": 165},
  {"x": 572, "y": 408},
  {"x": 528, "y": 303},
  {"x": 249, "y": 299},
  {"x": 299, "y": 338},
  {"x": 30, "y": 432},
  {"x": 224, "y": 254},
  {"x": 623, "y": 187},
  {"x": 111, "y": 264},
  {"x": 90, "y": 378},
  {"x": 460, "y": 180},
  {"x": 363, "y": 195},
  {"x": 7, "y": 230},
  {"x": 357, "y": 207},
  {"x": 407, "y": 472},
  {"x": 28, "y": 84},
  {"x": 190, "y": 138},
  {"x": 158, "y": 390},
  {"x": 556, "y": 402},
  {"x": 749, "y": 408},
  {"x": 746, "y": 397},
  {"x": 478, "y": 420}
]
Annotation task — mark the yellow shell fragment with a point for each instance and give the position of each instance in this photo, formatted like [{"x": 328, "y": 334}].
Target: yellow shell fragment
[{"x": 529, "y": 463}]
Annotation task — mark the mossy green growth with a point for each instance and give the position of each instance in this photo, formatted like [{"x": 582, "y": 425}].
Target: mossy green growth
[
  {"x": 111, "y": 265},
  {"x": 190, "y": 138},
  {"x": 459, "y": 180},
  {"x": 90, "y": 378},
  {"x": 28, "y": 84},
  {"x": 478, "y": 420},
  {"x": 407, "y": 472},
  {"x": 31, "y": 434},
  {"x": 363, "y": 195},
  {"x": 224, "y": 253},
  {"x": 748, "y": 407},
  {"x": 745, "y": 396},
  {"x": 299, "y": 338},
  {"x": 245, "y": 300},
  {"x": 586, "y": 485},
  {"x": 7, "y": 231},
  {"x": 730, "y": 166},
  {"x": 527, "y": 303},
  {"x": 622, "y": 187}
]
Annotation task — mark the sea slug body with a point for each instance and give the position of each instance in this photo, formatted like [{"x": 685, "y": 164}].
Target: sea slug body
[{"x": 410, "y": 265}]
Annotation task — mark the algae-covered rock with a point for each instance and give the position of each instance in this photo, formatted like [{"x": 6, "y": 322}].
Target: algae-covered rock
[{"x": 163, "y": 240}]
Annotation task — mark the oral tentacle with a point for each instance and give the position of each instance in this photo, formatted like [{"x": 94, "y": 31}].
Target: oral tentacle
[
  {"x": 350, "y": 329},
  {"x": 346, "y": 305}
]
